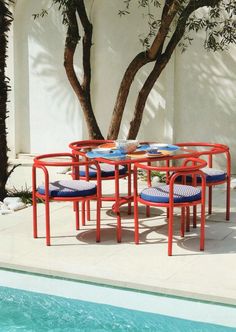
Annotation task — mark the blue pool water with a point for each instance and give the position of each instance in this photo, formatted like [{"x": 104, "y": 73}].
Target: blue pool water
[{"x": 22, "y": 310}]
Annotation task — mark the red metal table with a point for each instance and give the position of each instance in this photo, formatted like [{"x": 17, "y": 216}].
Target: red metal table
[{"x": 81, "y": 148}]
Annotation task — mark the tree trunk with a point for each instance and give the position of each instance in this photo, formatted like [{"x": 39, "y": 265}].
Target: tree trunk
[
  {"x": 5, "y": 21},
  {"x": 82, "y": 90},
  {"x": 162, "y": 61},
  {"x": 140, "y": 60},
  {"x": 142, "y": 97},
  {"x": 171, "y": 11},
  {"x": 82, "y": 95}
]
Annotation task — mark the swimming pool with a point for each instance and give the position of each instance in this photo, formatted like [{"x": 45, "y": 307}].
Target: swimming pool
[{"x": 34, "y": 303}]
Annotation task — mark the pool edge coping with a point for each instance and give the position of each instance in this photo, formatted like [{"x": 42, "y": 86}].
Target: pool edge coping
[{"x": 129, "y": 286}]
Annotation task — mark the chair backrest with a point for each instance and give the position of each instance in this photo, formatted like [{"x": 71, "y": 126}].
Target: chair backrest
[
  {"x": 190, "y": 166},
  {"x": 79, "y": 150},
  {"x": 45, "y": 161},
  {"x": 210, "y": 150},
  {"x": 81, "y": 147}
]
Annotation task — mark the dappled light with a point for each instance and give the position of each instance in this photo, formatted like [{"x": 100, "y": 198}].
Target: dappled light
[
  {"x": 48, "y": 93},
  {"x": 207, "y": 108},
  {"x": 195, "y": 85}
]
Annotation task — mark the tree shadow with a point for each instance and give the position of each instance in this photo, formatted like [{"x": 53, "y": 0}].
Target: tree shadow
[
  {"x": 191, "y": 100},
  {"x": 42, "y": 88},
  {"x": 219, "y": 234}
]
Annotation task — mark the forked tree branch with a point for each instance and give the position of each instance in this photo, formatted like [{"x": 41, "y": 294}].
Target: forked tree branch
[
  {"x": 82, "y": 91},
  {"x": 72, "y": 39},
  {"x": 162, "y": 62},
  {"x": 138, "y": 62},
  {"x": 87, "y": 44},
  {"x": 181, "y": 24},
  {"x": 170, "y": 9}
]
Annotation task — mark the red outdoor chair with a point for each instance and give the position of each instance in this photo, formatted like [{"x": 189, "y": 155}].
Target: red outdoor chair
[
  {"x": 89, "y": 172},
  {"x": 173, "y": 195},
  {"x": 214, "y": 176},
  {"x": 63, "y": 190}
]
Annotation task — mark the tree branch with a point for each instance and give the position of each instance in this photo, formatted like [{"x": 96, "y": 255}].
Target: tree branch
[
  {"x": 72, "y": 39},
  {"x": 162, "y": 61},
  {"x": 82, "y": 91},
  {"x": 87, "y": 44},
  {"x": 143, "y": 95},
  {"x": 169, "y": 12},
  {"x": 181, "y": 25},
  {"x": 140, "y": 60}
]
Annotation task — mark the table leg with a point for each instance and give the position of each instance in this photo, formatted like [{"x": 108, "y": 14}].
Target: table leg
[
  {"x": 129, "y": 187},
  {"x": 117, "y": 200}
]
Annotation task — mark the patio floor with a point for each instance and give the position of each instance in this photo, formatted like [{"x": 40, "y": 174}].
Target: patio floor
[{"x": 208, "y": 275}]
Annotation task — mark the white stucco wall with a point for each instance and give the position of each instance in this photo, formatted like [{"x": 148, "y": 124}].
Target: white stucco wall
[
  {"x": 194, "y": 99},
  {"x": 205, "y": 97},
  {"x": 47, "y": 114}
]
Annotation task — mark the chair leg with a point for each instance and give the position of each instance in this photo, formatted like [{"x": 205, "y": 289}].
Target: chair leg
[
  {"x": 98, "y": 221},
  {"x": 88, "y": 211},
  {"x": 129, "y": 188},
  {"x": 228, "y": 200},
  {"x": 76, "y": 209},
  {"x": 195, "y": 216},
  {"x": 34, "y": 202},
  {"x": 202, "y": 229},
  {"x": 182, "y": 222},
  {"x": 210, "y": 200},
  {"x": 35, "y": 224},
  {"x": 118, "y": 216},
  {"x": 170, "y": 230},
  {"x": 187, "y": 219},
  {"x": 136, "y": 223},
  {"x": 83, "y": 213},
  {"x": 47, "y": 213}
]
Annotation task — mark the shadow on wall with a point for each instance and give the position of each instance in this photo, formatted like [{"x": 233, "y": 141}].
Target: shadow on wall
[
  {"x": 199, "y": 92},
  {"x": 205, "y": 97},
  {"x": 156, "y": 122},
  {"x": 190, "y": 96},
  {"x": 52, "y": 107},
  {"x": 113, "y": 51}
]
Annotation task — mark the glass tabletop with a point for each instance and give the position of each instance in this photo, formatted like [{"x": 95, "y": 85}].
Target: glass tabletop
[{"x": 145, "y": 152}]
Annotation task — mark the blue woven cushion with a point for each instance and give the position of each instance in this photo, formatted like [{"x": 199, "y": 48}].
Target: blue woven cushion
[
  {"x": 182, "y": 193},
  {"x": 212, "y": 175},
  {"x": 69, "y": 188},
  {"x": 106, "y": 170}
]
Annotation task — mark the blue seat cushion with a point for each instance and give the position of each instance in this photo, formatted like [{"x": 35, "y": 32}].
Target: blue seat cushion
[
  {"x": 212, "y": 175},
  {"x": 69, "y": 188},
  {"x": 106, "y": 170},
  {"x": 160, "y": 194}
]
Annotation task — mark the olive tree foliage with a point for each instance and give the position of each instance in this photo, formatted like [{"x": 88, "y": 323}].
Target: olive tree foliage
[
  {"x": 5, "y": 22},
  {"x": 170, "y": 23}
]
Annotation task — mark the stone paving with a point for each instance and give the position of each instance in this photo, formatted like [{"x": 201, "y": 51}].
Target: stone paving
[{"x": 208, "y": 275}]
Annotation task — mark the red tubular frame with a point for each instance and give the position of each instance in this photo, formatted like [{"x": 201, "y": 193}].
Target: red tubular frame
[
  {"x": 41, "y": 162},
  {"x": 79, "y": 149},
  {"x": 213, "y": 149},
  {"x": 194, "y": 169}
]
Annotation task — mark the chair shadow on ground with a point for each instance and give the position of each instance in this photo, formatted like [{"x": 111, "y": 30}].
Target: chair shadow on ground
[{"x": 220, "y": 235}]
